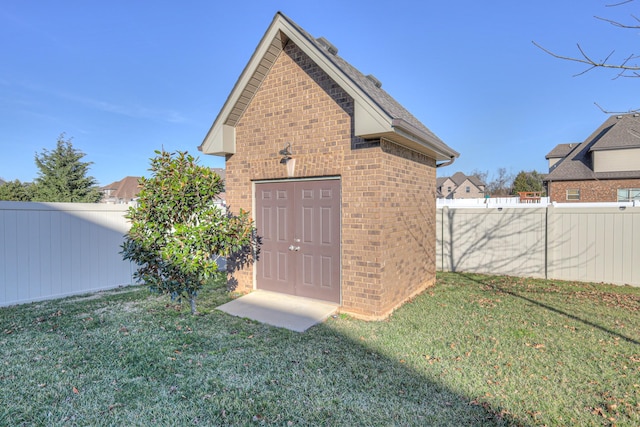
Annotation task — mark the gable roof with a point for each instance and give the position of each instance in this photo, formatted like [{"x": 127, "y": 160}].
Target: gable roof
[
  {"x": 376, "y": 113},
  {"x": 561, "y": 150},
  {"x": 440, "y": 182},
  {"x": 617, "y": 132},
  {"x": 126, "y": 189},
  {"x": 459, "y": 178}
]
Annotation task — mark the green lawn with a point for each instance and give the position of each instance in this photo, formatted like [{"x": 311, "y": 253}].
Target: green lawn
[{"x": 473, "y": 350}]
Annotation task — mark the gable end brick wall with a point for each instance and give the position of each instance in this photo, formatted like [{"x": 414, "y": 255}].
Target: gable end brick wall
[{"x": 384, "y": 260}]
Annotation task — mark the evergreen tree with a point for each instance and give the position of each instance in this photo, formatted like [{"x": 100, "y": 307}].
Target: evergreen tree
[
  {"x": 15, "y": 191},
  {"x": 62, "y": 176},
  {"x": 528, "y": 181}
]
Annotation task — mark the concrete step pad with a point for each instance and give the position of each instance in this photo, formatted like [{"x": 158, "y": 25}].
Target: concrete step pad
[{"x": 284, "y": 311}]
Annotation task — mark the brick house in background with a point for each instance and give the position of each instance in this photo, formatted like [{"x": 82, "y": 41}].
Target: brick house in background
[
  {"x": 459, "y": 186},
  {"x": 222, "y": 174},
  {"x": 121, "y": 192},
  {"x": 339, "y": 177},
  {"x": 126, "y": 190},
  {"x": 603, "y": 168}
]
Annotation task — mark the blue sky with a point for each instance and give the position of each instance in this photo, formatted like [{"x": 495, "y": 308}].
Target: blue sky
[{"x": 124, "y": 78}]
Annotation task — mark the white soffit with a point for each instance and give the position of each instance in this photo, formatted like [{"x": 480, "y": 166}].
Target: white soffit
[{"x": 370, "y": 121}]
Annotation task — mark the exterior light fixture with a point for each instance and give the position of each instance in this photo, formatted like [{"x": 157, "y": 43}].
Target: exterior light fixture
[
  {"x": 286, "y": 153},
  {"x": 287, "y": 160}
]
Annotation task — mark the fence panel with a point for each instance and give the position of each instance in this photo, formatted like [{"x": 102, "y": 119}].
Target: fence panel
[
  {"x": 497, "y": 241},
  {"x": 50, "y": 250},
  {"x": 594, "y": 244}
]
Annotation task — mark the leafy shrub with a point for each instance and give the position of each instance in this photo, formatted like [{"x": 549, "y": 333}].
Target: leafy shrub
[{"x": 177, "y": 229}]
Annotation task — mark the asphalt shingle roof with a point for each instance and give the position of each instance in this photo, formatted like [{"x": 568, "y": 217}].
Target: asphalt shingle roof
[
  {"x": 617, "y": 132},
  {"x": 561, "y": 150},
  {"x": 125, "y": 189},
  {"x": 458, "y": 178},
  {"x": 385, "y": 101}
]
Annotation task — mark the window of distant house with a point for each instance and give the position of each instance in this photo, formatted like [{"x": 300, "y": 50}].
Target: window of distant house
[
  {"x": 448, "y": 189},
  {"x": 628, "y": 194},
  {"x": 468, "y": 189},
  {"x": 573, "y": 194}
]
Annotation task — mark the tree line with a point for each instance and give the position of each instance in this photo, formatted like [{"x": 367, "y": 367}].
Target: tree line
[
  {"x": 62, "y": 177},
  {"x": 503, "y": 183}
]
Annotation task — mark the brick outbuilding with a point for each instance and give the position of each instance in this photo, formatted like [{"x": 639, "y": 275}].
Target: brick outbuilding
[{"x": 340, "y": 178}]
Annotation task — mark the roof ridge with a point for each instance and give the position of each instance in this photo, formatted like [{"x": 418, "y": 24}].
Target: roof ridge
[{"x": 381, "y": 116}]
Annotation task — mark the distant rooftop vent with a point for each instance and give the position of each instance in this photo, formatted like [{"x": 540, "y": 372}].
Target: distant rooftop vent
[
  {"x": 375, "y": 81},
  {"x": 327, "y": 45}
]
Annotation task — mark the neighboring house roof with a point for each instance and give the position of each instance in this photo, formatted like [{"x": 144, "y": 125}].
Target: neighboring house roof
[
  {"x": 376, "y": 115},
  {"x": 617, "y": 132},
  {"x": 561, "y": 150},
  {"x": 221, "y": 173},
  {"x": 459, "y": 178},
  {"x": 125, "y": 189}
]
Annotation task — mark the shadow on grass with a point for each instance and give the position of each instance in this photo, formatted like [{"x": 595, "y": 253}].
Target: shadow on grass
[
  {"x": 335, "y": 380},
  {"x": 134, "y": 359},
  {"x": 503, "y": 289}
]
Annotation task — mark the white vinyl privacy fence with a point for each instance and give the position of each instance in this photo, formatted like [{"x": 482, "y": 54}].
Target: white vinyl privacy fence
[
  {"x": 50, "y": 250},
  {"x": 594, "y": 244}
]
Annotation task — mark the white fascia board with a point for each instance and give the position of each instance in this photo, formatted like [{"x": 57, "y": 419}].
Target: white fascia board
[
  {"x": 217, "y": 140},
  {"x": 369, "y": 118},
  {"x": 221, "y": 140},
  {"x": 408, "y": 131},
  {"x": 423, "y": 146}
]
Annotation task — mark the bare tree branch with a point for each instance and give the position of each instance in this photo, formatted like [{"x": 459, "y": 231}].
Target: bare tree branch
[
  {"x": 630, "y": 111},
  {"x": 625, "y": 67},
  {"x": 593, "y": 63},
  {"x": 618, "y": 4},
  {"x": 620, "y": 24}
]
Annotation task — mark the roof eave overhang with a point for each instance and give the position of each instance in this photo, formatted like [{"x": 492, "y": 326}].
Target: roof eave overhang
[
  {"x": 370, "y": 120},
  {"x": 221, "y": 139},
  {"x": 412, "y": 137}
]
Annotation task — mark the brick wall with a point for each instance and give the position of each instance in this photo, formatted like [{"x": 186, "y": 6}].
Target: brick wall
[
  {"x": 474, "y": 192},
  {"x": 408, "y": 213},
  {"x": 388, "y": 193},
  {"x": 590, "y": 191}
]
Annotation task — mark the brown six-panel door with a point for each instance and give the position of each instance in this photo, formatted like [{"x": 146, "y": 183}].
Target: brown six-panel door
[{"x": 299, "y": 222}]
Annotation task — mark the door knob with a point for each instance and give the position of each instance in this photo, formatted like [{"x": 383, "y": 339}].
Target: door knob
[{"x": 294, "y": 248}]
